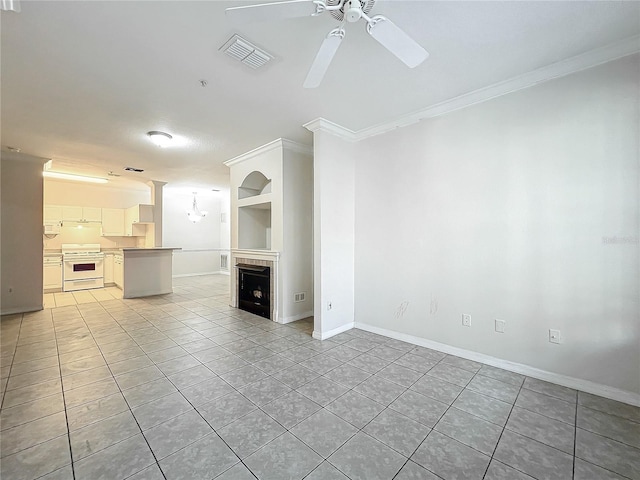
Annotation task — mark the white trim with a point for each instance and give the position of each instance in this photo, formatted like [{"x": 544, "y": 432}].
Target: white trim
[
  {"x": 564, "y": 380},
  {"x": 198, "y": 274},
  {"x": 332, "y": 333},
  {"x": 328, "y": 126},
  {"x": 559, "y": 69},
  {"x": 198, "y": 250},
  {"x": 278, "y": 143},
  {"x": 297, "y": 147},
  {"x": 295, "y": 318}
]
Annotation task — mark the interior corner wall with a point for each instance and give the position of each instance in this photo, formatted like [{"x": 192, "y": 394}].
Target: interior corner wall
[
  {"x": 334, "y": 234},
  {"x": 524, "y": 208},
  {"x": 21, "y": 233}
]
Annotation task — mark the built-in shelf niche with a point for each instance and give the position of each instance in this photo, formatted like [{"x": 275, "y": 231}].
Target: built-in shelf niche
[
  {"x": 254, "y": 212},
  {"x": 254, "y": 184}
]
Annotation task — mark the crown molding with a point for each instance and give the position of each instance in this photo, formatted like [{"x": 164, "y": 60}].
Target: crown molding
[
  {"x": 278, "y": 143},
  {"x": 324, "y": 125},
  {"x": 559, "y": 69},
  {"x": 297, "y": 147}
]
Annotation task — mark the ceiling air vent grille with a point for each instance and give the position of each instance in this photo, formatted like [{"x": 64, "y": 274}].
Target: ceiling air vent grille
[{"x": 244, "y": 51}]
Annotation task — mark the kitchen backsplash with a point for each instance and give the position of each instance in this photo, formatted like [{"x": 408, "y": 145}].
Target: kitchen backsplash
[{"x": 89, "y": 234}]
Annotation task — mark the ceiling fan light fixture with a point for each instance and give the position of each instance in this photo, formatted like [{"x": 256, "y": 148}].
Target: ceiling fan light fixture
[
  {"x": 161, "y": 139},
  {"x": 10, "y": 6},
  {"x": 354, "y": 12}
]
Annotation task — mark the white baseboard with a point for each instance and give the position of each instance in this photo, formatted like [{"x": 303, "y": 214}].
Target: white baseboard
[
  {"x": 564, "y": 380},
  {"x": 295, "y": 318},
  {"x": 331, "y": 333},
  {"x": 198, "y": 274}
]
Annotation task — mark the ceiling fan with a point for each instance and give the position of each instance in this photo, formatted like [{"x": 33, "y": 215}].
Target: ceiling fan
[{"x": 380, "y": 28}]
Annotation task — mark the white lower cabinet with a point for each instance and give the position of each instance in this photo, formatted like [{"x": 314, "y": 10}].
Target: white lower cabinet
[
  {"x": 109, "y": 268},
  {"x": 52, "y": 273},
  {"x": 118, "y": 270}
]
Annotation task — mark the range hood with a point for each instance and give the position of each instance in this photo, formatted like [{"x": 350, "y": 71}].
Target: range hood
[{"x": 81, "y": 223}]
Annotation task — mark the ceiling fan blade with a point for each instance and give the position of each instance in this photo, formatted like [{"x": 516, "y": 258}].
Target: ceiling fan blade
[
  {"x": 396, "y": 41},
  {"x": 273, "y": 11},
  {"x": 326, "y": 53}
]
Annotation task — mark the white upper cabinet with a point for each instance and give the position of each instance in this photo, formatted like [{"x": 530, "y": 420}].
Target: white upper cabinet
[
  {"x": 52, "y": 214},
  {"x": 81, "y": 214},
  {"x": 113, "y": 222}
]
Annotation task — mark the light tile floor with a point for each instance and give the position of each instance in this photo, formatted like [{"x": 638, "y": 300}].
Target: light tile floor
[
  {"x": 65, "y": 299},
  {"x": 182, "y": 386}
]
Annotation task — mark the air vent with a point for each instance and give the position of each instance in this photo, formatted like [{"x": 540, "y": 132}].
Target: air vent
[
  {"x": 299, "y": 297},
  {"x": 133, "y": 169},
  {"x": 244, "y": 51}
]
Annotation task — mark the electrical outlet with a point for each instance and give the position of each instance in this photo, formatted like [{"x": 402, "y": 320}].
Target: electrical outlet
[
  {"x": 329, "y": 306},
  {"x": 466, "y": 320},
  {"x": 554, "y": 336},
  {"x": 500, "y": 324}
]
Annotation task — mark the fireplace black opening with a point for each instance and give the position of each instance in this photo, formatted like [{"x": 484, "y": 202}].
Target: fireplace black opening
[{"x": 254, "y": 289}]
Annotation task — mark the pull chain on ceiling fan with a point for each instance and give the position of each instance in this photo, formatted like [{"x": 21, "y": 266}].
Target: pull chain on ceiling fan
[{"x": 383, "y": 30}]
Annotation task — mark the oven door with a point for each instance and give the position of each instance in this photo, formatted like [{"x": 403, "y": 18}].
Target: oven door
[{"x": 80, "y": 269}]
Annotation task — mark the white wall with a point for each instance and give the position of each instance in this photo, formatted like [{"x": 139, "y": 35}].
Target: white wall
[
  {"x": 200, "y": 242},
  {"x": 506, "y": 210},
  {"x": 21, "y": 233},
  {"x": 334, "y": 234},
  {"x": 297, "y": 256}
]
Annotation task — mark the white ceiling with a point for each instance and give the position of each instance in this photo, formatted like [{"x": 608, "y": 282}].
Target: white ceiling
[{"x": 83, "y": 81}]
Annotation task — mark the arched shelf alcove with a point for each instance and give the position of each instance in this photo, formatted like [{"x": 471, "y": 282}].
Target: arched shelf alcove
[{"x": 253, "y": 185}]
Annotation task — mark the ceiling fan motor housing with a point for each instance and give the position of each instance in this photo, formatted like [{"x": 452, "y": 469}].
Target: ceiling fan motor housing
[{"x": 350, "y": 11}]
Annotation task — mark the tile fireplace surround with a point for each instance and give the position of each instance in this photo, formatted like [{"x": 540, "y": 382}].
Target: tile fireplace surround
[{"x": 262, "y": 259}]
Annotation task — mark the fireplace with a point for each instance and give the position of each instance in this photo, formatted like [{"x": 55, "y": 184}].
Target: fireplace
[{"x": 254, "y": 289}]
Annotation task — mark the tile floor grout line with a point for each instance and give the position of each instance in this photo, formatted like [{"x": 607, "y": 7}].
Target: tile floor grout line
[
  {"x": 13, "y": 357},
  {"x": 504, "y": 427},
  {"x": 64, "y": 401}
]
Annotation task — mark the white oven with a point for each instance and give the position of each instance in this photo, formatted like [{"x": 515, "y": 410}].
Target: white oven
[{"x": 83, "y": 267}]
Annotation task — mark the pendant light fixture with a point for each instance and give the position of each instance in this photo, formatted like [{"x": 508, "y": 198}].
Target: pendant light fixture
[{"x": 195, "y": 214}]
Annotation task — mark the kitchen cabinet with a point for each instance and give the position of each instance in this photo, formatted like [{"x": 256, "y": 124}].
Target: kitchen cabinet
[
  {"x": 52, "y": 214},
  {"x": 141, "y": 213},
  {"x": 118, "y": 269},
  {"x": 109, "y": 268},
  {"x": 113, "y": 222},
  {"x": 52, "y": 273},
  {"x": 136, "y": 218},
  {"x": 81, "y": 214}
]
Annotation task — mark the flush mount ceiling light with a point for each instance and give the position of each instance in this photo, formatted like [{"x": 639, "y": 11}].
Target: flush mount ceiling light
[
  {"x": 10, "y": 5},
  {"x": 195, "y": 214},
  {"x": 76, "y": 178},
  {"x": 161, "y": 139}
]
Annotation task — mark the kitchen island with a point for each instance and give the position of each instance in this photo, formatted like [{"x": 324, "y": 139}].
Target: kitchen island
[{"x": 147, "y": 271}]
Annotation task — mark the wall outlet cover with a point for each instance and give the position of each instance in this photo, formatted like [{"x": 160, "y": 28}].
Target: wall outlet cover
[
  {"x": 554, "y": 336},
  {"x": 466, "y": 320},
  {"x": 500, "y": 325}
]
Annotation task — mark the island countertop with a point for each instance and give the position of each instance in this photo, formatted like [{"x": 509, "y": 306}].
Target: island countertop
[{"x": 150, "y": 249}]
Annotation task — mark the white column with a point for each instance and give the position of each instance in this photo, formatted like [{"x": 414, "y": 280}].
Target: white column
[{"x": 155, "y": 236}]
